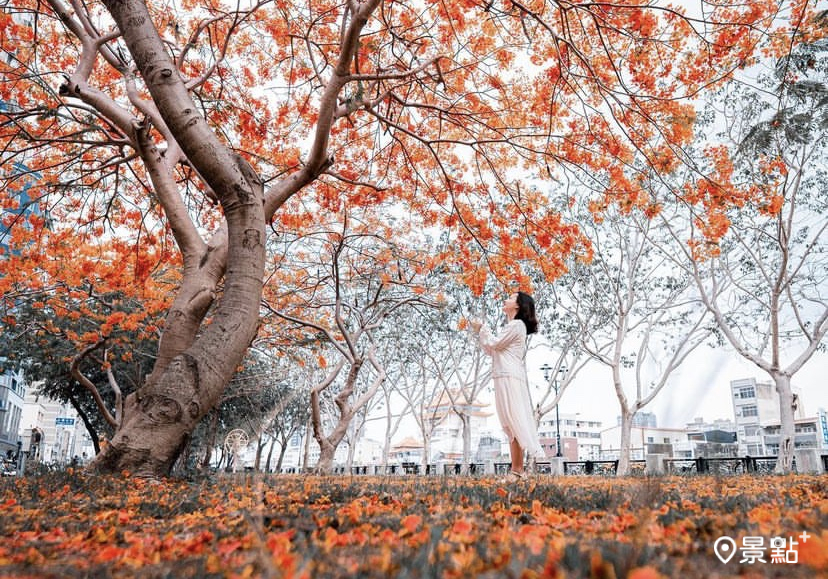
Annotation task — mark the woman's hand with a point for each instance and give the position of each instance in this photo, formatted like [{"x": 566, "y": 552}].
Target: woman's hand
[{"x": 475, "y": 325}]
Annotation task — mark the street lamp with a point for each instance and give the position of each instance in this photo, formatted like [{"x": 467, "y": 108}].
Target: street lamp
[{"x": 546, "y": 369}]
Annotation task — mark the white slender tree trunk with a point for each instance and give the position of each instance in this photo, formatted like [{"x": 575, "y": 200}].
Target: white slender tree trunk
[
  {"x": 626, "y": 443},
  {"x": 465, "y": 419},
  {"x": 787, "y": 434},
  {"x": 426, "y": 451}
]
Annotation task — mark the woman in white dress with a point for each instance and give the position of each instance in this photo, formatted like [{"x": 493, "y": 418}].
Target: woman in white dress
[{"x": 512, "y": 402}]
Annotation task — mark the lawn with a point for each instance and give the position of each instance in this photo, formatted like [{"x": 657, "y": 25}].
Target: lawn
[{"x": 77, "y": 525}]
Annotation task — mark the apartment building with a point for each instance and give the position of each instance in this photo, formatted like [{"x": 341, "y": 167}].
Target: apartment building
[
  {"x": 756, "y": 411},
  {"x": 580, "y": 436},
  {"x": 12, "y": 393}
]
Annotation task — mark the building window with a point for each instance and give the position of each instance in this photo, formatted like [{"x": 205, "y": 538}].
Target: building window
[
  {"x": 666, "y": 441},
  {"x": 746, "y": 392},
  {"x": 750, "y": 411},
  {"x": 650, "y": 439}
]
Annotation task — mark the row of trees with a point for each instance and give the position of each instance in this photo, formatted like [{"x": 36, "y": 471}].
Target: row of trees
[
  {"x": 226, "y": 169},
  {"x": 659, "y": 287},
  {"x": 359, "y": 320}
]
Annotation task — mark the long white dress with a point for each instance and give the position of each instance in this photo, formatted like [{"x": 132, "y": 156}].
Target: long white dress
[{"x": 512, "y": 401}]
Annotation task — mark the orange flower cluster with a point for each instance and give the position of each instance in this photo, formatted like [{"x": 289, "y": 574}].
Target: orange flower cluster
[{"x": 73, "y": 525}]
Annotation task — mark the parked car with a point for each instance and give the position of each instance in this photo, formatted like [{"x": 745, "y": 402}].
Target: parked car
[{"x": 8, "y": 468}]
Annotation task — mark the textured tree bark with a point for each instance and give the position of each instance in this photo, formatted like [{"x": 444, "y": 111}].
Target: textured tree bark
[
  {"x": 329, "y": 443},
  {"x": 333, "y": 440},
  {"x": 159, "y": 417}
]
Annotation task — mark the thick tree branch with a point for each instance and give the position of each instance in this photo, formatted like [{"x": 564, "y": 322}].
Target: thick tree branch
[{"x": 74, "y": 369}]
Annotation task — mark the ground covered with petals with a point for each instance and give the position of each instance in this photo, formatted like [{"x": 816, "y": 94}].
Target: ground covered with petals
[{"x": 77, "y": 525}]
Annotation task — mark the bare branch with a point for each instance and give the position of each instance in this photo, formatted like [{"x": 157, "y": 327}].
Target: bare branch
[{"x": 74, "y": 369}]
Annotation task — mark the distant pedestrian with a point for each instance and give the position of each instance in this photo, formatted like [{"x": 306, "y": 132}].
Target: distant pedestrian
[{"x": 512, "y": 401}]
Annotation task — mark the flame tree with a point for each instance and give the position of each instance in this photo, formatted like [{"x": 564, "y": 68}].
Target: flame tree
[{"x": 191, "y": 127}]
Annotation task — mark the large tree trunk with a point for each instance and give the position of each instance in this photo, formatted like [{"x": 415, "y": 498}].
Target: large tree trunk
[
  {"x": 171, "y": 406},
  {"x": 328, "y": 444},
  {"x": 159, "y": 417},
  {"x": 326, "y": 457}
]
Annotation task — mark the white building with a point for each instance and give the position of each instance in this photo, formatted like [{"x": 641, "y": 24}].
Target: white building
[
  {"x": 366, "y": 452},
  {"x": 722, "y": 424},
  {"x": 641, "y": 419},
  {"x": 715, "y": 439},
  {"x": 63, "y": 435},
  {"x": 643, "y": 441},
  {"x": 756, "y": 408},
  {"x": 808, "y": 434},
  {"x": 408, "y": 450},
  {"x": 491, "y": 447},
  {"x": 294, "y": 453},
  {"x": 822, "y": 431},
  {"x": 12, "y": 394},
  {"x": 447, "y": 435}
]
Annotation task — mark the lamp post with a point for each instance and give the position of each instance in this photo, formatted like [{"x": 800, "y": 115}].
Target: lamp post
[{"x": 546, "y": 369}]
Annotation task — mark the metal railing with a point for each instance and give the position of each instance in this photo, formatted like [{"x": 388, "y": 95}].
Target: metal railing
[
  {"x": 736, "y": 465},
  {"x": 587, "y": 467},
  {"x": 680, "y": 466}
]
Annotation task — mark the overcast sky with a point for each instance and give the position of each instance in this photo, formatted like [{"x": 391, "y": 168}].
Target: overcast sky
[{"x": 699, "y": 388}]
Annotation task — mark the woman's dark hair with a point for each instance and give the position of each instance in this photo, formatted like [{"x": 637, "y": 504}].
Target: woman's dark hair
[{"x": 526, "y": 312}]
